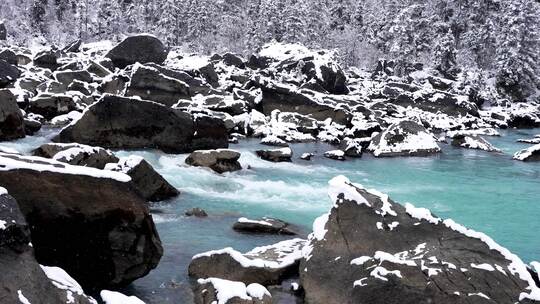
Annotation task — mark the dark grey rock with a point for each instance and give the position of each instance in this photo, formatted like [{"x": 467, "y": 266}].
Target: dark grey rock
[
  {"x": 8, "y": 73},
  {"x": 141, "y": 48},
  {"x": 91, "y": 223},
  {"x": 264, "y": 225},
  {"x": 221, "y": 160},
  {"x": 275, "y": 155},
  {"x": 77, "y": 154},
  {"x": 11, "y": 118},
  {"x": 196, "y": 212}
]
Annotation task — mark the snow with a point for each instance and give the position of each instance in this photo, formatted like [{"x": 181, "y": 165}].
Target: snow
[
  {"x": 479, "y": 294},
  {"x": 3, "y": 191},
  {"x": 113, "y": 297},
  {"x": 360, "y": 282},
  {"x": 421, "y": 214},
  {"x": 22, "y": 298},
  {"x": 380, "y": 273},
  {"x": 68, "y": 154},
  {"x": 412, "y": 143},
  {"x": 288, "y": 252},
  {"x": 3, "y": 225},
  {"x": 319, "y": 224},
  {"x": 11, "y": 162},
  {"x": 361, "y": 260},
  {"x": 227, "y": 290},
  {"x": 62, "y": 280},
  {"x": 248, "y": 221},
  {"x": 483, "y": 266}
]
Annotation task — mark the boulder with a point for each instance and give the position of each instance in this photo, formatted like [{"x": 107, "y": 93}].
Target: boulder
[
  {"x": 335, "y": 154},
  {"x": 307, "y": 156},
  {"x": 31, "y": 126},
  {"x": 67, "y": 77},
  {"x": 263, "y": 265},
  {"x": 288, "y": 99},
  {"x": 90, "y": 222},
  {"x": 196, "y": 212},
  {"x": 22, "y": 277},
  {"x": 77, "y": 154},
  {"x": 473, "y": 142},
  {"x": 276, "y": 155},
  {"x": 47, "y": 59},
  {"x": 51, "y": 105},
  {"x": 196, "y": 85},
  {"x": 220, "y": 160},
  {"x": 533, "y": 141},
  {"x": 522, "y": 120},
  {"x": 140, "y": 48},
  {"x": 214, "y": 290},
  {"x": 11, "y": 118},
  {"x": 114, "y": 297},
  {"x": 352, "y": 147},
  {"x": 272, "y": 140},
  {"x": 8, "y": 56},
  {"x": 8, "y": 73},
  {"x": 73, "y": 47},
  {"x": 265, "y": 226},
  {"x": 221, "y": 103},
  {"x": 148, "y": 83},
  {"x": 369, "y": 249},
  {"x": 152, "y": 186},
  {"x": 97, "y": 69},
  {"x": 233, "y": 60},
  {"x": 529, "y": 154},
  {"x": 405, "y": 138},
  {"x": 129, "y": 123}
]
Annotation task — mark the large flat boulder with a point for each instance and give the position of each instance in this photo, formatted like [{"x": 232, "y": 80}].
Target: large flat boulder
[
  {"x": 220, "y": 160},
  {"x": 22, "y": 277},
  {"x": 150, "y": 84},
  {"x": 152, "y": 186},
  {"x": 528, "y": 155},
  {"x": 369, "y": 249},
  {"x": 90, "y": 222},
  {"x": 129, "y": 123},
  {"x": 405, "y": 138},
  {"x": 11, "y": 118},
  {"x": 263, "y": 265},
  {"x": 140, "y": 48}
]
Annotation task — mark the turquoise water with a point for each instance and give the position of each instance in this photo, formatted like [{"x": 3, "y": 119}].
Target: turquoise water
[{"x": 488, "y": 192}]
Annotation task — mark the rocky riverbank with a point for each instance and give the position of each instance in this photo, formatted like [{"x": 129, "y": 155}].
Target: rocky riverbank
[{"x": 85, "y": 210}]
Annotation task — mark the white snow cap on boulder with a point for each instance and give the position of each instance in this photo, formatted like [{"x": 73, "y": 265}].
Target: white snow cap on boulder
[
  {"x": 227, "y": 290},
  {"x": 113, "y": 297}
]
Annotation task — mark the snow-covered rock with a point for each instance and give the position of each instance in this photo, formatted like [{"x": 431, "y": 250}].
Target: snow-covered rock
[
  {"x": 371, "y": 249},
  {"x": 77, "y": 154},
  {"x": 529, "y": 154},
  {"x": 473, "y": 142},
  {"x": 114, "y": 297},
  {"x": 264, "y": 225},
  {"x": 220, "y": 160},
  {"x": 276, "y": 155},
  {"x": 263, "y": 265},
  {"x": 307, "y": 156},
  {"x": 405, "y": 138},
  {"x": 71, "y": 210},
  {"x": 335, "y": 154},
  {"x": 219, "y": 291},
  {"x": 272, "y": 140}
]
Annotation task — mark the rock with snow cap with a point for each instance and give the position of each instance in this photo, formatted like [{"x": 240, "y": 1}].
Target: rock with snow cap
[
  {"x": 140, "y": 48},
  {"x": 264, "y": 225},
  {"x": 276, "y": 155},
  {"x": 534, "y": 141},
  {"x": 47, "y": 59},
  {"x": 220, "y": 160},
  {"x": 77, "y": 154},
  {"x": 50, "y": 105},
  {"x": 528, "y": 155},
  {"x": 22, "y": 277},
  {"x": 265, "y": 265},
  {"x": 335, "y": 154},
  {"x": 215, "y": 290},
  {"x": 150, "y": 84},
  {"x": 196, "y": 212},
  {"x": 11, "y": 118},
  {"x": 9, "y": 56},
  {"x": 114, "y": 297},
  {"x": 129, "y": 123},
  {"x": 370, "y": 249},
  {"x": 152, "y": 186},
  {"x": 272, "y": 140},
  {"x": 405, "y": 138},
  {"x": 67, "y": 77},
  {"x": 473, "y": 142},
  {"x": 307, "y": 156},
  {"x": 92, "y": 223},
  {"x": 352, "y": 146}
]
